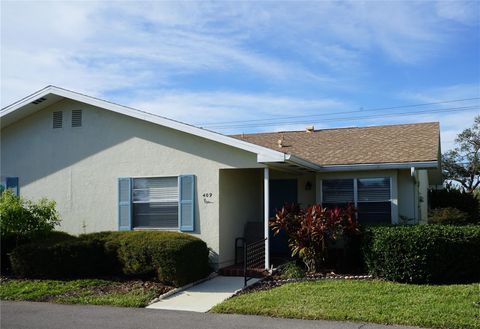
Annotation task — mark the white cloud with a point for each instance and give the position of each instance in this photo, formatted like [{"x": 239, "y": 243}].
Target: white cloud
[
  {"x": 97, "y": 47},
  {"x": 205, "y": 108},
  {"x": 141, "y": 50}
]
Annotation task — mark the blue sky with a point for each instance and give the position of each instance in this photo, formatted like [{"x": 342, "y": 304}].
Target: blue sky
[{"x": 209, "y": 62}]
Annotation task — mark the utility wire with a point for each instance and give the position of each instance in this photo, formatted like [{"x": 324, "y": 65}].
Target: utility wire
[
  {"x": 221, "y": 123},
  {"x": 380, "y": 116}
]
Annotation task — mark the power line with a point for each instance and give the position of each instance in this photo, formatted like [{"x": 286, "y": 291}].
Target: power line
[
  {"x": 221, "y": 123},
  {"x": 400, "y": 114}
]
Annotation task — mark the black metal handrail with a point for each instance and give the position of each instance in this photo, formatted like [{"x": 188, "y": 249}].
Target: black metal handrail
[
  {"x": 243, "y": 240},
  {"x": 253, "y": 257}
]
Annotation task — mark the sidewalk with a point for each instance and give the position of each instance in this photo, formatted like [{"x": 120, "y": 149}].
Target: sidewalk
[{"x": 204, "y": 296}]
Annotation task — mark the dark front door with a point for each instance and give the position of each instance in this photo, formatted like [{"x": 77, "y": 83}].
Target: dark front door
[{"x": 281, "y": 191}]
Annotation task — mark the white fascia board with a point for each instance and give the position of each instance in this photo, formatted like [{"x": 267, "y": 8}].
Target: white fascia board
[
  {"x": 301, "y": 162},
  {"x": 381, "y": 166},
  {"x": 267, "y": 158},
  {"x": 25, "y": 101},
  {"x": 264, "y": 154}
]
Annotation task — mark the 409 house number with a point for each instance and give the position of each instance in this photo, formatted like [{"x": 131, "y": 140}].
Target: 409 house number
[{"x": 207, "y": 195}]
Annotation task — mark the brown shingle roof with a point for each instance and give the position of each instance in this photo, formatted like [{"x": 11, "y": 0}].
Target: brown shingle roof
[{"x": 362, "y": 145}]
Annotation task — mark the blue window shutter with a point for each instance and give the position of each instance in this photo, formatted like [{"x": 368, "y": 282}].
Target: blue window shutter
[
  {"x": 12, "y": 185},
  {"x": 124, "y": 204},
  {"x": 186, "y": 211}
]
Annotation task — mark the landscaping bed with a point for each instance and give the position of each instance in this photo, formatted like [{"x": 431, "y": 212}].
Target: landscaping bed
[
  {"x": 434, "y": 306},
  {"x": 128, "y": 293}
]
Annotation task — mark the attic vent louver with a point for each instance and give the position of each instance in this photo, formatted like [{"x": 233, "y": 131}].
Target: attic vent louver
[
  {"x": 38, "y": 101},
  {"x": 57, "y": 119},
  {"x": 76, "y": 118}
]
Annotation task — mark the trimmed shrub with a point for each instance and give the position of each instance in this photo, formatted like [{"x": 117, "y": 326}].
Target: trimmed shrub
[
  {"x": 10, "y": 241},
  {"x": 173, "y": 258},
  {"x": 424, "y": 253},
  {"x": 62, "y": 259},
  {"x": 466, "y": 202},
  {"x": 450, "y": 216}
]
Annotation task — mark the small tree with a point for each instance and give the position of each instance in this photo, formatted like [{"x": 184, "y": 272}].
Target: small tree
[
  {"x": 26, "y": 219},
  {"x": 310, "y": 230},
  {"x": 462, "y": 164}
]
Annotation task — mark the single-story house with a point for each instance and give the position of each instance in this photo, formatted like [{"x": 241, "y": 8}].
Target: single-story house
[{"x": 111, "y": 167}]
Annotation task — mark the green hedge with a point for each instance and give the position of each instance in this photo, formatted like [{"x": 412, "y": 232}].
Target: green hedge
[
  {"x": 173, "y": 258},
  {"x": 66, "y": 259},
  {"x": 424, "y": 253},
  {"x": 10, "y": 241}
]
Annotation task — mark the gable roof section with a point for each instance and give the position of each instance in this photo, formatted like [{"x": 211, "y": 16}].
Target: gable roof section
[
  {"x": 378, "y": 147},
  {"x": 392, "y": 144},
  {"x": 51, "y": 94}
]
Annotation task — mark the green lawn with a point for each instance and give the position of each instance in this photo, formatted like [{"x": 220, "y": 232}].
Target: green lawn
[
  {"x": 86, "y": 291},
  {"x": 448, "y": 306}
]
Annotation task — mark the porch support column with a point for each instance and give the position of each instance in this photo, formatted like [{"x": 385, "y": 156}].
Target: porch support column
[{"x": 266, "y": 215}]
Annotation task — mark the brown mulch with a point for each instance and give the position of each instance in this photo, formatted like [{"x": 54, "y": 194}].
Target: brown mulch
[
  {"x": 119, "y": 287},
  {"x": 115, "y": 285},
  {"x": 276, "y": 280}
]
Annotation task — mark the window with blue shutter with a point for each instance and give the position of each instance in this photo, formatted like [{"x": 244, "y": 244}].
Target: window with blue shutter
[
  {"x": 186, "y": 214},
  {"x": 12, "y": 185},
  {"x": 124, "y": 204}
]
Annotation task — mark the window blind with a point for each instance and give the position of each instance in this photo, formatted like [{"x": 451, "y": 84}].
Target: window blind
[
  {"x": 373, "y": 189},
  {"x": 155, "y": 202},
  {"x": 337, "y": 191},
  {"x": 374, "y": 205},
  {"x": 372, "y": 197}
]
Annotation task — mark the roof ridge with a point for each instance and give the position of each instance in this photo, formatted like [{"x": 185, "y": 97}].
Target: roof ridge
[{"x": 339, "y": 128}]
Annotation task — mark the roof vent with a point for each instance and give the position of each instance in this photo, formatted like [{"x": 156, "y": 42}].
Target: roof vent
[
  {"x": 280, "y": 142},
  {"x": 310, "y": 129},
  {"x": 57, "y": 119},
  {"x": 38, "y": 101},
  {"x": 76, "y": 118}
]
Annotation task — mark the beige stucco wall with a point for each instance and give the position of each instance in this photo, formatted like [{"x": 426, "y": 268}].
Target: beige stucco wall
[
  {"x": 423, "y": 185},
  {"x": 304, "y": 197},
  {"x": 79, "y": 167},
  {"x": 407, "y": 196},
  {"x": 241, "y": 201}
]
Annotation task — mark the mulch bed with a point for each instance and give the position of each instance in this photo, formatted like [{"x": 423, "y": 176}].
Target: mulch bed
[
  {"x": 119, "y": 287},
  {"x": 115, "y": 285},
  {"x": 276, "y": 280}
]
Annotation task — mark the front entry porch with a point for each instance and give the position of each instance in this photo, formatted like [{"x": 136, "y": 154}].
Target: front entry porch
[{"x": 248, "y": 199}]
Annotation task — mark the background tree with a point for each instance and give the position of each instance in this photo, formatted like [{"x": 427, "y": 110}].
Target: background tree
[{"x": 462, "y": 164}]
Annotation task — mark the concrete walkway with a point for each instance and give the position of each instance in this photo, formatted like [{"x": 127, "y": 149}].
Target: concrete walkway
[{"x": 204, "y": 296}]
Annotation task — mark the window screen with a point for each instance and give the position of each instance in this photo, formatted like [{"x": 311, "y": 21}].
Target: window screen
[
  {"x": 155, "y": 202},
  {"x": 374, "y": 204},
  {"x": 337, "y": 192}
]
